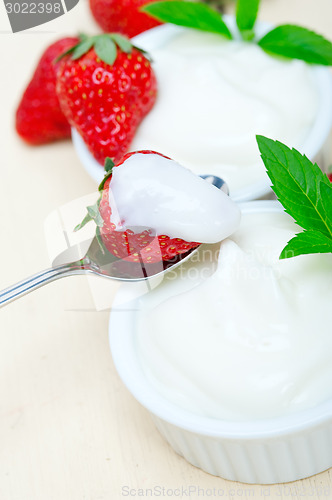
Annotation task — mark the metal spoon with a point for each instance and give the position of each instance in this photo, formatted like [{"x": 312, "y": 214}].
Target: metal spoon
[{"x": 99, "y": 263}]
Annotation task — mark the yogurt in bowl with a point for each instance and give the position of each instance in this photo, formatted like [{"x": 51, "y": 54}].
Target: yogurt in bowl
[
  {"x": 233, "y": 362},
  {"x": 215, "y": 95}
]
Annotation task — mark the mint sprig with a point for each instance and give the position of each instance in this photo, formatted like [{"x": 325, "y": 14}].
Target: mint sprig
[
  {"x": 287, "y": 40},
  {"x": 307, "y": 242},
  {"x": 189, "y": 14},
  {"x": 297, "y": 43},
  {"x": 246, "y": 15},
  {"x": 305, "y": 193}
]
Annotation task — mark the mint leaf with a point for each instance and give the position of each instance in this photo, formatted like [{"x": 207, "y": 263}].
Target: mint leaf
[
  {"x": 246, "y": 15},
  {"x": 326, "y": 199},
  {"x": 297, "y": 184},
  {"x": 305, "y": 243},
  {"x": 305, "y": 193},
  {"x": 189, "y": 14},
  {"x": 298, "y": 43}
]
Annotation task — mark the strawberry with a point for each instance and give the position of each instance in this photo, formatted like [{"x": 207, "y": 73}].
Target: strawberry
[
  {"x": 39, "y": 118},
  {"x": 127, "y": 245},
  {"x": 106, "y": 87},
  {"x": 123, "y": 16}
]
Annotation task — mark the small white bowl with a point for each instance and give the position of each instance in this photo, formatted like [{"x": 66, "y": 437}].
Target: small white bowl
[
  {"x": 265, "y": 451},
  {"x": 313, "y": 146}
]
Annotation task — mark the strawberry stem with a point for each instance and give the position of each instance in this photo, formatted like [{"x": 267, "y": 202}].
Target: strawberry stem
[{"x": 105, "y": 46}]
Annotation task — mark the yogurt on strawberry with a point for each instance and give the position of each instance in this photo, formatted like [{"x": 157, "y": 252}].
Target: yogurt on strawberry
[
  {"x": 214, "y": 96},
  {"x": 250, "y": 341},
  {"x": 149, "y": 190}
]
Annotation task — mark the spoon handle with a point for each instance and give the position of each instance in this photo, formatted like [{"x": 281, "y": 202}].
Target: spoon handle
[{"x": 40, "y": 279}]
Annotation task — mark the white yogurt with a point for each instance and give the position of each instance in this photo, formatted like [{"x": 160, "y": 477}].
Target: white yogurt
[
  {"x": 251, "y": 341},
  {"x": 214, "y": 96},
  {"x": 148, "y": 190}
]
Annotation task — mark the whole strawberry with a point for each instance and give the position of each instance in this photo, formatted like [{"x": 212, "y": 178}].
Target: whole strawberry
[
  {"x": 122, "y": 16},
  {"x": 140, "y": 246},
  {"x": 39, "y": 118},
  {"x": 106, "y": 87}
]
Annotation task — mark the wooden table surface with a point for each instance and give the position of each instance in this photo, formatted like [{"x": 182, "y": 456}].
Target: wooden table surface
[{"x": 69, "y": 430}]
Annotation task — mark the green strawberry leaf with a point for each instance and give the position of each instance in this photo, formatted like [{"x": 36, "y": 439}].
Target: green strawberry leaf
[
  {"x": 66, "y": 53},
  {"x": 122, "y": 42},
  {"x": 305, "y": 243},
  {"x": 246, "y": 15},
  {"x": 82, "y": 48},
  {"x": 296, "y": 42},
  {"x": 105, "y": 49},
  {"x": 100, "y": 241},
  {"x": 305, "y": 193},
  {"x": 105, "y": 46},
  {"x": 109, "y": 164},
  {"x": 189, "y": 14},
  {"x": 86, "y": 219},
  {"x": 93, "y": 214},
  {"x": 83, "y": 36}
]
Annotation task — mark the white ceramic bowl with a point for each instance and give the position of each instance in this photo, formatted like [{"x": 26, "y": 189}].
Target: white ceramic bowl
[
  {"x": 273, "y": 450},
  {"x": 312, "y": 147}
]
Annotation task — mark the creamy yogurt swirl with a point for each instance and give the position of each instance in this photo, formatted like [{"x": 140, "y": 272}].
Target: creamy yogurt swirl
[
  {"x": 214, "y": 96},
  {"x": 251, "y": 341},
  {"x": 149, "y": 190}
]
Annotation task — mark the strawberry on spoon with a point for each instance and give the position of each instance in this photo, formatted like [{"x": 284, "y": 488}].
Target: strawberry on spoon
[
  {"x": 106, "y": 86},
  {"x": 148, "y": 189},
  {"x": 152, "y": 209}
]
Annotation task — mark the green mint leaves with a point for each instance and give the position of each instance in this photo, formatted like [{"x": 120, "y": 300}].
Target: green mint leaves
[
  {"x": 305, "y": 193},
  {"x": 246, "y": 14},
  {"x": 189, "y": 14},
  {"x": 307, "y": 242},
  {"x": 287, "y": 40},
  {"x": 298, "y": 43}
]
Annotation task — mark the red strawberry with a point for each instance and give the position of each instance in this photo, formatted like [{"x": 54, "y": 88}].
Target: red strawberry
[
  {"x": 106, "y": 87},
  {"x": 132, "y": 247},
  {"x": 39, "y": 118},
  {"x": 123, "y": 16}
]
